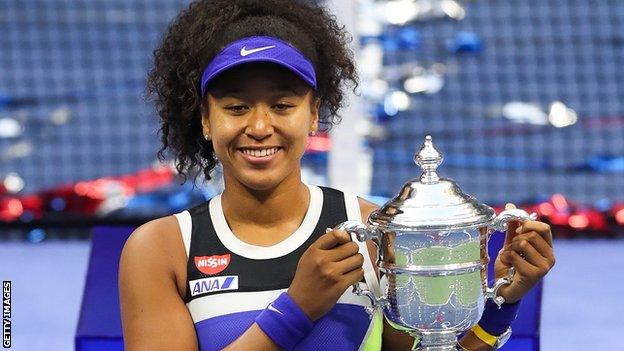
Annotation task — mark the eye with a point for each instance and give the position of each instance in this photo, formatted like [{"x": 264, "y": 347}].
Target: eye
[
  {"x": 237, "y": 109},
  {"x": 282, "y": 107}
]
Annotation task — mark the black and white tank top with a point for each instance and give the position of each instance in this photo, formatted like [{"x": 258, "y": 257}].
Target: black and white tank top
[{"x": 230, "y": 281}]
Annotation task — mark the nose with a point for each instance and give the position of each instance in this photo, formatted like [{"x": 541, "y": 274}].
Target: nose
[{"x": 260, "y": 123}]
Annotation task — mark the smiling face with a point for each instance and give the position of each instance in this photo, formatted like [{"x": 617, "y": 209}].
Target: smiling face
[{"x": 258, "y": 119}]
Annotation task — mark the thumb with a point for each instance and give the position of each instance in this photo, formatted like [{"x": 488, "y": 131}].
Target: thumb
[{"x": 511, "y": 226}]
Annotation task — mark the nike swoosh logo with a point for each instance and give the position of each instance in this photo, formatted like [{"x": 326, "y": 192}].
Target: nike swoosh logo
[
  {"x": 274, "y": 309},
  {"x": 245, "y": 52}
]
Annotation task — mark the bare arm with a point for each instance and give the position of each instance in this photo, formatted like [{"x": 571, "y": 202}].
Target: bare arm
[{"x": 153, "y": 314}]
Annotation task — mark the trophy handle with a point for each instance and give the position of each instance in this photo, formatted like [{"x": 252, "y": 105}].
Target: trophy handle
[
  {"x": 500, "y": 224},
  {"x": 513, "y": 214},
  {"x": 362, "y": 233}
]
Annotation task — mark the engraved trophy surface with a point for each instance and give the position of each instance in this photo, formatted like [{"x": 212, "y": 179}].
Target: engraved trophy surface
[{"x": 432, "y": 252}]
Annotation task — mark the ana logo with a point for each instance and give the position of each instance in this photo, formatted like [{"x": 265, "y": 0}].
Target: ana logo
[
  {"x": 244, "y": 51},
  {"x": 212, "y": 284},
  {"x": 212, "y": 264}
]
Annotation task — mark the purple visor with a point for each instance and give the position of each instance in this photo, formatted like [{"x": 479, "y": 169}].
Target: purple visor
[{"x": 259, "y": 49}]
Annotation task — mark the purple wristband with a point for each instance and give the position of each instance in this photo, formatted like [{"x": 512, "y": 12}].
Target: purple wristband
[
  {"x": 495, "y": 321},
  {"x": 284, "y": 322}
]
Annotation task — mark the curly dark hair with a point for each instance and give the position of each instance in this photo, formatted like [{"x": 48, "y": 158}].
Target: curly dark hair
[{"x": 205, "y": 28}]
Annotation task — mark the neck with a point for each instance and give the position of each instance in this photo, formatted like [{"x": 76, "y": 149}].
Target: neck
[{"x": 287, "y": 201}]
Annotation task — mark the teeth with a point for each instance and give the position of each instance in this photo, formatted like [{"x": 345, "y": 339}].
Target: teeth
[{"x": 260, "y": 153}]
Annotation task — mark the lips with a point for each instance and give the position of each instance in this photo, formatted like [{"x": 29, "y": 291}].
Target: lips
[
  {"x": 260, "y": 152},
  {"x": 259, "y": 156}
]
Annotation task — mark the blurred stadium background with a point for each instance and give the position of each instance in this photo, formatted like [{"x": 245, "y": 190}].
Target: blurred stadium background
[{"x": 522, "y": 97}]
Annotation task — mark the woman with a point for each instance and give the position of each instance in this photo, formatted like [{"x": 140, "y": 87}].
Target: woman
[{"x": 245, "y": 83}]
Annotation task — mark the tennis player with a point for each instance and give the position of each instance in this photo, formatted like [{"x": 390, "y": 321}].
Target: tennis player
[{"x": 244, "y": 83}]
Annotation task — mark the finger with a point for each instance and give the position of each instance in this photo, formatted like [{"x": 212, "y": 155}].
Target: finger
[
  {"x": 504, "y": 258},
  {"x": 539, "y": 243},
  {"x": 351, "y": 263},
  {"x": 525, "y": 249},
  {"x": 541, "y": 228},
  {"x": 353, "y": 277},
  {"x": 342, "y": 251},
  {"x": 331, "y": 239},
  {"x": 522, "y": 266},
  {"x": 511, "y": 226}
]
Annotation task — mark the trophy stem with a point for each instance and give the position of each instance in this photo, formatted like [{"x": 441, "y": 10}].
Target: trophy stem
[{"x": 437, "y": 341}]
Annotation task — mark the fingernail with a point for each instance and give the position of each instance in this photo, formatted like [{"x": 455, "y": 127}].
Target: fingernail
[{"x": 519, "y": 229}]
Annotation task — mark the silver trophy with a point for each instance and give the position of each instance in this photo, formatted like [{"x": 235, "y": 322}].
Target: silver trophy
[{"x": 432, "y": 253}]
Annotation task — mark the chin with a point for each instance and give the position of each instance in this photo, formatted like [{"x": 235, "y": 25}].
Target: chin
[{"x": 260, "y": 183}]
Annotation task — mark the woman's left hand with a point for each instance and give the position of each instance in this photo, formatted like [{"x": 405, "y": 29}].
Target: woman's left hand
[{"x": 529, "y": 249}]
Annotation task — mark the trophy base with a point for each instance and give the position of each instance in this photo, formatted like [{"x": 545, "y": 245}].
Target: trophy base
[{"x": 436, "y": 341}]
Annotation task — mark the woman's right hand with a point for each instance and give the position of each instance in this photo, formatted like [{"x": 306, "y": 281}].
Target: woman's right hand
[{"x": 326, "y": 269}]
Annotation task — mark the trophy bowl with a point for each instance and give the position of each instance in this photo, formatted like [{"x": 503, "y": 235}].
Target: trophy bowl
[{"x": 432, "y": 256}]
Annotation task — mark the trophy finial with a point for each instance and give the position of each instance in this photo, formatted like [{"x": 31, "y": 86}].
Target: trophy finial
[{"x": 428, "y": 158}]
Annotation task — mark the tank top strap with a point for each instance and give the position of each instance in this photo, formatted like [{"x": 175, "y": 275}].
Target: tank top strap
[
  {"x": 354, "y": 214},
  {"x": 186, "y": 227}
]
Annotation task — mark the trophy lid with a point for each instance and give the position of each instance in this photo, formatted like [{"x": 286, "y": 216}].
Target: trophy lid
[{"x": 431, "y": 202}]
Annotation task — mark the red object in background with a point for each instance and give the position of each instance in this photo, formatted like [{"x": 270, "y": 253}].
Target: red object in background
[
  {"x": 83, "y": 198},
  {"x": 319, "y": 143},
  {"x": 11, "y": 208},
  {"x": 561, "y": 210},
  {"x": 148, "y": 179},
  {"x": 86, "y": 197},
  {"x": 617, "y": 211},
  {"x": 33, "y": 206},
  {"x": 556, "y": 211},
  {"x": 80, "y": 198},
  {"x": 588, "y": 218},
  {"x": 570, "y": 219}
]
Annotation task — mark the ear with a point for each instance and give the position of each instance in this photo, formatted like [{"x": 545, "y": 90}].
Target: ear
[
  {"x": 316, "y": 105},
  {"x": 205, "y": 121}
]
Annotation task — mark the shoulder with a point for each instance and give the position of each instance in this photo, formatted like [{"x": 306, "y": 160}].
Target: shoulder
[
  {"x": 154, "y": 246},
  {"x": 153, "y": 313},
  {"x": 153, "y": 235}
]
